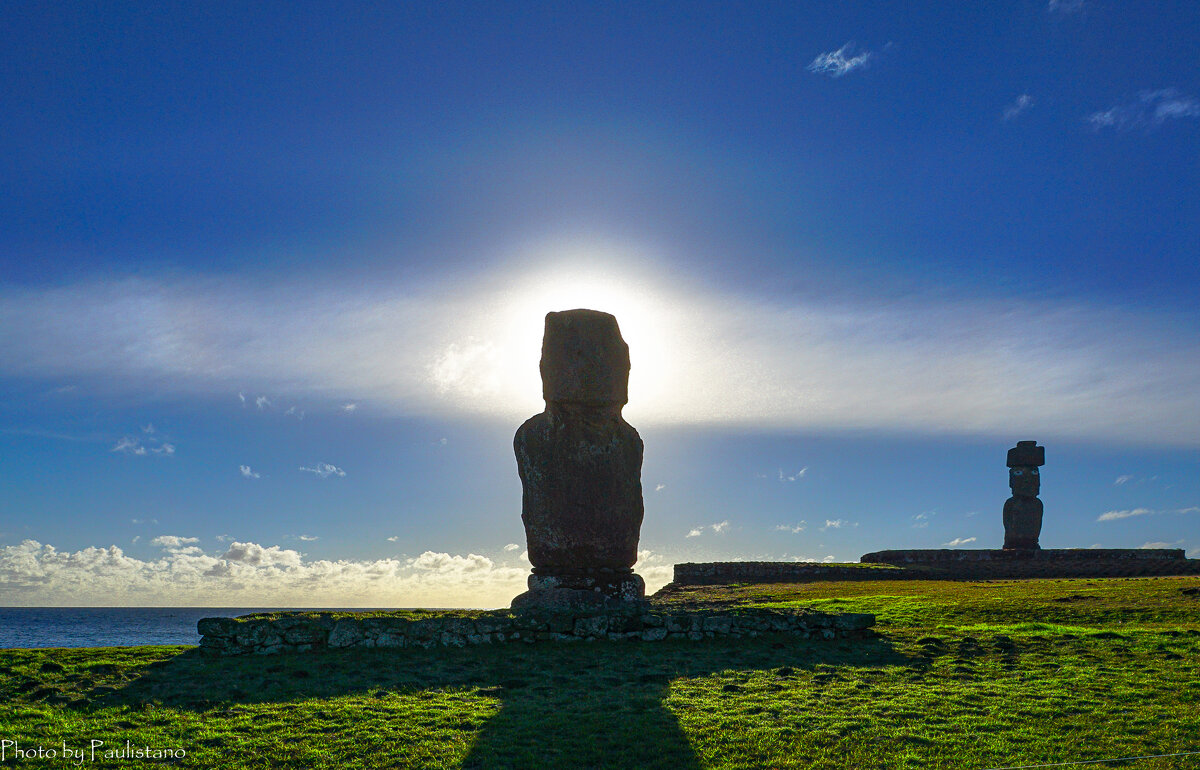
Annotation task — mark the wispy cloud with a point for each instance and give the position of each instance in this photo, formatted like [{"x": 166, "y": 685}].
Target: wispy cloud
[
  {"x": 143, "y": 521},
  {"x": 349, "y": 407},
  {"x": 695, "y": 532},
  {"x": 262, "y": 402},
  {"x": 1022, "y": 103},
  {"x": 1122, "y": 480},
  {"x": 659, "y": 487},
  {"x": 1149, "y": 110},
  {"x": 324, "y": 470},
  {"x": 1160, "y": 544},
  {"x": 1107, "y": 372},
  {"x": 959, "y": 541},
  {"x": 309, "y": 538},
  {"x": 840, "y": 62},
  {"x": 133, "y": 446},
  {"x": 1130, "y": 513},
  {"x": 795, "y": 529},
  {"x": 921, "y": 520},
  {"x": 720, "y": 527},
  {"x": 793, "y": 476},
  {"x": 173, "y": 541},
  {"x": 248, "y": 473},
  {"x": 393, "y": 538},
  {"x": 838, "y": 524},
  {"x": 512, "y": 547},
  {"x": 293, "y": 411}
]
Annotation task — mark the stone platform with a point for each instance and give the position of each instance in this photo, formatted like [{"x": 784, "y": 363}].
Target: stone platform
[
  {"x": 953, "y": 564},
  {"x": 270, "y": 633}
]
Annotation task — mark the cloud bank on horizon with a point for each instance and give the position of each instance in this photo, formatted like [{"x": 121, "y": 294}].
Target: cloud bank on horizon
[
  {"x": 247, "y": 574},
  {"x": 700, "y": 356}
]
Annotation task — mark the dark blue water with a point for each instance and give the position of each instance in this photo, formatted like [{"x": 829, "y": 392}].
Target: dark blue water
[{"x": 107, "y": 626}]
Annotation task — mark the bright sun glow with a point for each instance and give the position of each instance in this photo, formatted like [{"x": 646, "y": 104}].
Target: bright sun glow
[
  {"x": 493, "y": 363},
  {"x": 642, "y": 314}
]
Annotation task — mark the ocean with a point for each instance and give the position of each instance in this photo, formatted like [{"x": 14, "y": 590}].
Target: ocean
[{"x": 108, "y": 626}]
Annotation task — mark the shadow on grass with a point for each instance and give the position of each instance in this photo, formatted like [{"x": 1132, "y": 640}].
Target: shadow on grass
[{"x": 582, "y": 704}]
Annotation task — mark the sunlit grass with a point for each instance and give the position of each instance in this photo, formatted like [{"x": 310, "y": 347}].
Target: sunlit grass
[{"x": 964, "y": 675}]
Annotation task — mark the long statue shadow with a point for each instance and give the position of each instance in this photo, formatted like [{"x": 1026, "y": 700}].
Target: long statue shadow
[{"x": 585, "y": 704}]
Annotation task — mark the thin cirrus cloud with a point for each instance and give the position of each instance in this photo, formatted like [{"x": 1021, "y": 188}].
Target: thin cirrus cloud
[
  {"x": 1130, "y": 513},
  {"x": 1150, "y": 109},
  {"x": 959, "y": 541},
  {"x": 248, "y": 574},
  {"x": 472, "y": 350},
  {"x": 1020, "y": 105},
  {"x": 841, "y": 62}
]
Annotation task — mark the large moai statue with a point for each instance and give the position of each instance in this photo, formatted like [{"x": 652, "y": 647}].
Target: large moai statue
[
  {"x": 1023, "y": 511},
  {"x": 581, "y": 469}
]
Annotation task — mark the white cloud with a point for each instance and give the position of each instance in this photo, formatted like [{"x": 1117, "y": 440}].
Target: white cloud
[
  {"x": 1176, "y": 544},
  {"x": 797, "y": 365},
  {"x": 839, "y": 62},
  {"x": 133, "y": 446},
  {"x": 242, "y": 398},
  {"x": 393, "y": 538},
  {"x": 659, "y": 487},
  {"x": 1022, "y": 103},
  {"x": 248, "y": 473},
  {"x": 921, "y": 520},
  {"x": 512, "y": 547},
  {"x": 793, "y": 477},
  {"x": 293, "y": 411},
  {"x": 795, "y": 529},
  {"x": 308, "y": 538},
  {"x": 1150, "y": 110},
  {"x": 143, "y": 521},
  {"x": 136, "y": 538},
  {"x": 1122, "y": 480},
  {"x": 1114, "y": 515},
  {"x": 148, "y": 428},
  {"x": 720, "y": 526},
  {"x": 695, "y": 532},
  {"x": 959, "y": 541},
  {"x": 821, "y": 560},
  {"x": 262, "y": 402},
  {"x": 324, "y": 470},
  {"x": 252, "y": 575},
  {"x": 173, "y": 541},
  {"x": 349, "y": 407},
  {"x": 838, "y": 524}
]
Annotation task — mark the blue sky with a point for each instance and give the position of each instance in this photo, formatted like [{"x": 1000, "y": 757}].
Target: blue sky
[{"x": 272, "y": 281}]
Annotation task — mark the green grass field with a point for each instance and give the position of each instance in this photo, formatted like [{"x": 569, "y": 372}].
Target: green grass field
[{"x": 962, "y": 675}]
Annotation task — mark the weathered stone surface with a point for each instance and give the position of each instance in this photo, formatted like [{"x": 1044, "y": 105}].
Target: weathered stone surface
[
  {"x": 580, "y": 470},
  {"x": 584, "y": 359},
  {"x": 580, "y": 465},
  {"x": 1023, "y": 511},
  {"x": 627, "y": 622}
]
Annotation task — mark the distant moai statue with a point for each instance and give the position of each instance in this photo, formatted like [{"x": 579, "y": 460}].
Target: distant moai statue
[
  {"x": 580, "y": 465},
  {"x": 1023, "y": 511}
]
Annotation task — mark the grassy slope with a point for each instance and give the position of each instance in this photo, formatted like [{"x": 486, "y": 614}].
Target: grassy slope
[{"x": 964, "y": 675}]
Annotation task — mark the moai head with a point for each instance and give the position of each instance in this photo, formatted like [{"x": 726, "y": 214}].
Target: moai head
[
  {"x": 584, "y": 359},
  {"x": 1023, "y": 462}
]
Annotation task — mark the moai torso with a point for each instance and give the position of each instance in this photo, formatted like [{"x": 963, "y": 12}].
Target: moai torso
[{"x": 1023, "y": 511}]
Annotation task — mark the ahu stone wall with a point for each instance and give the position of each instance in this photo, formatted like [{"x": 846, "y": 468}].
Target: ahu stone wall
[{"x": 303, "y": 631}]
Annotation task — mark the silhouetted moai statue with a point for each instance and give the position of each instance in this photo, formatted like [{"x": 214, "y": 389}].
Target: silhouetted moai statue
[
  {"x": 581, "y": 469},
  {"x": 1023, "y": 511}
]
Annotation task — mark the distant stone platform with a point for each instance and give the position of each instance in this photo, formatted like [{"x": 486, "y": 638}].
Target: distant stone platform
[{"x": 953, "y": 564}]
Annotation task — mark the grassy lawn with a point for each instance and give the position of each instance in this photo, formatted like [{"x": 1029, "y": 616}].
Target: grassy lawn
[{"x": 962, "y": 675}]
